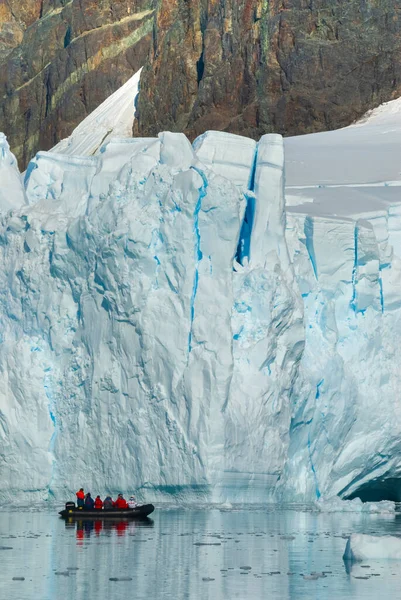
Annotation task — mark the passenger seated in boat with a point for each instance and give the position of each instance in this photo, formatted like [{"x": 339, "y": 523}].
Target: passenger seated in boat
[
  {"x": 98, "y": 503},
  {"x": 108, "y": 503},
  {"x": 132, "y": 503},
  {"x": 120, "y": 503},
  {"x": 80, "y": 498},
  {"x": 89, "y": 502}
]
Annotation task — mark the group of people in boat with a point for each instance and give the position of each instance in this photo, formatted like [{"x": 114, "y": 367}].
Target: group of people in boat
[{"x": 86, "y": 501}]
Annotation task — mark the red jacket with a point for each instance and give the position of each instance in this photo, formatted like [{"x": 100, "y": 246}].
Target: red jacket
[
  {"x": 120, "y": 503},
  {"x": 80, "y": 495},
  {"x": 98, "y": 503}
]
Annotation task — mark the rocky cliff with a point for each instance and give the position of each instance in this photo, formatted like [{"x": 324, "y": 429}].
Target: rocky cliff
[
  {"x": 244, "y": 66},
  {"x": 254, "y": 66},
  {"x": 59, "y": 59}
]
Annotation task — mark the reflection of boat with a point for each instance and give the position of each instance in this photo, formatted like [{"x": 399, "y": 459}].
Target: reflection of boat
[
  {"x": 85, "y": 527},
  {"x": 140, "y": 512}
]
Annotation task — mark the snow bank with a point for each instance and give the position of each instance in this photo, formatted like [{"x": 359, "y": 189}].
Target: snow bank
[{"x": 362, "y": 547}]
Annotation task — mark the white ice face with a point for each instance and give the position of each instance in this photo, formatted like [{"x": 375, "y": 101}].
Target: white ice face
[
  {"x": 174, "y": 321},
  {"x": 362, "y": 547}
]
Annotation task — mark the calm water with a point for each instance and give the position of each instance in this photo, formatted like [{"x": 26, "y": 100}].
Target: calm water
[{"x": 196, "y": 554}]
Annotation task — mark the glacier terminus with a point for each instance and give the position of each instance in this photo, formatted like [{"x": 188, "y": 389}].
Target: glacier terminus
[{"x": 217, "y": 321}]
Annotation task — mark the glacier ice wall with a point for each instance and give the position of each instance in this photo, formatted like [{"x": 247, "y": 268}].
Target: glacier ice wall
[
  {"x": 343, "y": 234},
  {"x": 168, "y": 325},
  {"x": 126, "y": 320}
]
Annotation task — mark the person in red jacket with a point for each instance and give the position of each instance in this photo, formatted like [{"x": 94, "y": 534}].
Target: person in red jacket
[
  {"x": 98, "y": 503},
  {"x": 80, "y": 498},
  {"x": 120, "y": 502}
]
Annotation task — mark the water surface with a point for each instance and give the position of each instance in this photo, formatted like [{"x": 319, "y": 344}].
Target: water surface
[{"x": 195, "y": 554}]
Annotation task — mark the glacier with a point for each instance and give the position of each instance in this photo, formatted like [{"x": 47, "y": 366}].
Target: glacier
[{"x": 215, "y": 322}]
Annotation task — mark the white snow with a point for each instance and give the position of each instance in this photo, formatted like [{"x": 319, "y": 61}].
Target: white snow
[
  {"x": 113, "y": 119},
  {"x": 362, "y": 547},
  {"x": 216, "y": 322}
]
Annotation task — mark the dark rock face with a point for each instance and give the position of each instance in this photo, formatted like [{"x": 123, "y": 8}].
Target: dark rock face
[
  {"x": 59, "y": 59},
  {"x": 256, "y": 66},
  {"x": 244, "y": 66}
]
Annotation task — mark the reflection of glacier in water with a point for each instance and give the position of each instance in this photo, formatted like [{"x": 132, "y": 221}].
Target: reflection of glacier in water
[{"x": 193, "y": 555}]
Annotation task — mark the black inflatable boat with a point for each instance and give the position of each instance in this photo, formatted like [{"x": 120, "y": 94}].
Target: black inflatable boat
[{"x": 140, "y": 512}]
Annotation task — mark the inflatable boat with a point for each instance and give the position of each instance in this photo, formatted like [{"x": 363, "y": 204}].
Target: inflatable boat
[{"x": 139, "y": 512}]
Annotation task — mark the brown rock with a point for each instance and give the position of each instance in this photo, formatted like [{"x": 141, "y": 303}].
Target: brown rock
[
  {"x": 70, "y": 59},
  {"x": 15, "y": 17},
  {"x": 253, "y": 66}
]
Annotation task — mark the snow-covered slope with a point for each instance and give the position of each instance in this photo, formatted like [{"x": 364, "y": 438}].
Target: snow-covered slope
[
  {"x": 173, "y": 321},
  {"x": 113, "y": 119}
]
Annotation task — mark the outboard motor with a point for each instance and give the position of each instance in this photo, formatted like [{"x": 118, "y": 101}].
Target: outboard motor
[{"x": 69, "y": 505}]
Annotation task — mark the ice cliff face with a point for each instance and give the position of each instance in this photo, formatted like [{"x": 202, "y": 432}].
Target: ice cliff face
[
  {"x": 343, "y": 233},
  {"x": 172, "y": 322},
  {"x": 127, "y": 322}
]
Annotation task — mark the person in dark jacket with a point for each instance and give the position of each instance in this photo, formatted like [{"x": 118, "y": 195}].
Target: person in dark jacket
[
  {"x": 98, "y": 503},
  {"x": 108, "y": 503},
  {"x": 89, "y": 502},
  {"x": 80, "y": 498}
]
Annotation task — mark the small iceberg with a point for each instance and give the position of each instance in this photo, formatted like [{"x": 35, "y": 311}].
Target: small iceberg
[
  {"x": 336, "y": 504},
  {"x": 362, "y": 547}
]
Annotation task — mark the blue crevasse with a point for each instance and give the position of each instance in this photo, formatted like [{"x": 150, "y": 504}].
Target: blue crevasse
[
  {"x": 198, "y": 252},
  {"x": 355, "y": 271},
  {"x": 308, "y": 230},
  {"x": 244, "y": 244},
  {"x": 317, "y": 490},
  {"x": 51, "y": 408}
]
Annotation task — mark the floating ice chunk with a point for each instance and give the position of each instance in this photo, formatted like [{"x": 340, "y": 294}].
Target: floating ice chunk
[
  {"x": 365, "y": 547},
  {"x": 356, "y": 505}
]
